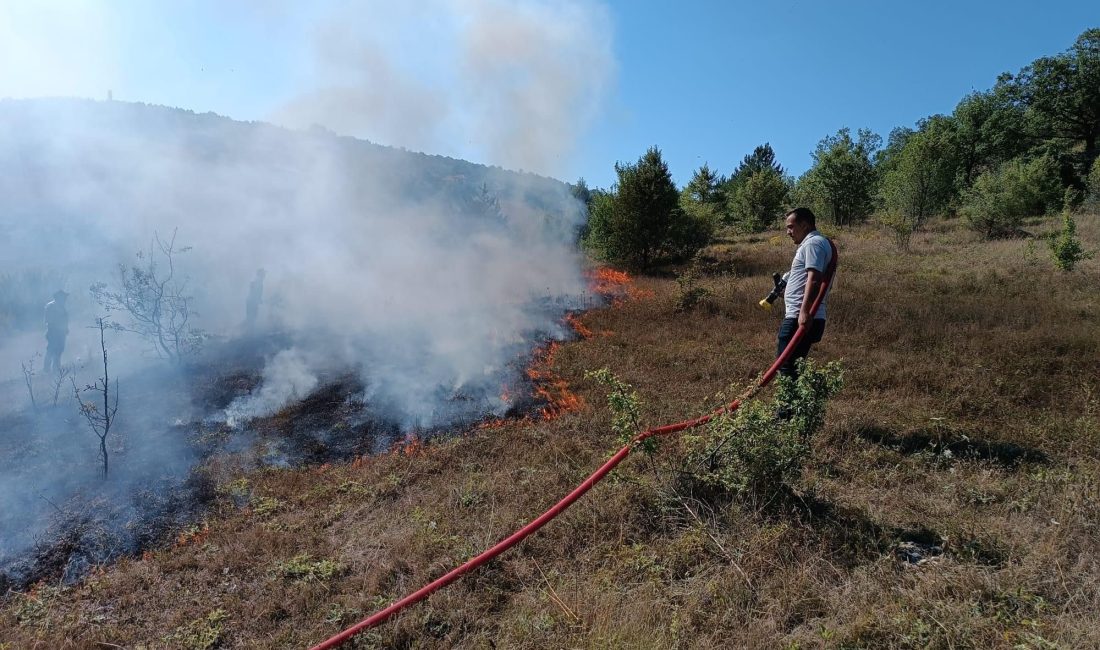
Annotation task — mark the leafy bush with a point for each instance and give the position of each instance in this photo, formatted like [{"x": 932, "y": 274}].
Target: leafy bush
[
  {"x": 1094, "y": 182},
  {"x": 303, "y": 568},
  {"x": 202, "y": 634},
  {"x": 921, "y": 176},
  {"x": 691, "y": 294},
  {"x": 998, "y": 201},
  {"x": 755, "y": 450},
  {"x": 841, "y": 185},
  {"x": 759, "y": 201},
  {"x": 1065, "y": 247},
  {"x": 625, "y": 405},
  {"x": 641, "y": 222}
]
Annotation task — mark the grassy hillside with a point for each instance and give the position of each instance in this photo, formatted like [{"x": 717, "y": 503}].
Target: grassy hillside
[{"x": 952, "y": 500}]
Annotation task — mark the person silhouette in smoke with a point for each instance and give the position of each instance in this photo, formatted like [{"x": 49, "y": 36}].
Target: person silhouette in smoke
[
  {"x": 255, "y": 297},
  {"x": 57, "y": 329}
]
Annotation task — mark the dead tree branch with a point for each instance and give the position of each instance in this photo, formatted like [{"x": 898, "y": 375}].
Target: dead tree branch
[
  {"x": 99, "y": 418},
  {"x": 154, "y": 301}
]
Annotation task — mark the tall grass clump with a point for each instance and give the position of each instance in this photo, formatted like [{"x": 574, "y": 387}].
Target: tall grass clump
[{"x": 762, "y": 446}]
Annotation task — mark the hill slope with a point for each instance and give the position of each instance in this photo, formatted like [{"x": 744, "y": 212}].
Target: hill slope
[{"x": 952, "y": 499}]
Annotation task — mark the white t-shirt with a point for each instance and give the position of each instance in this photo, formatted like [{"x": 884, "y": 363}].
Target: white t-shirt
[{"x": 813, "y": 253}]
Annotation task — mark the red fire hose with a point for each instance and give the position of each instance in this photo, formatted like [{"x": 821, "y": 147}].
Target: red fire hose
[{"x": 578, "y": 492}]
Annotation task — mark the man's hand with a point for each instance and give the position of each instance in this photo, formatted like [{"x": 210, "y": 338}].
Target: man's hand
[{"x": 804, "y": 319}]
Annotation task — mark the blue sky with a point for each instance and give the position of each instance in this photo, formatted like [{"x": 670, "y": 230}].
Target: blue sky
[
  {"x": 704, "y": 81},
  {"x": 708, "y": 81}
]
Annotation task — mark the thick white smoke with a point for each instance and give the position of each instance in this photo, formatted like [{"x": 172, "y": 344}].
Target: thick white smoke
[
  {"x": 375, "y": 260},
  {"x": 426, "y": 277},
  {"x": 288, "y": 377}
]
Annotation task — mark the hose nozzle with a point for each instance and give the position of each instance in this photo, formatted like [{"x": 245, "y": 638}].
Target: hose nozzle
[{"x": 780, "y": 282}]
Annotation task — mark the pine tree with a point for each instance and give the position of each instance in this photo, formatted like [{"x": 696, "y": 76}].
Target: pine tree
[
  {"x": 761, "y": 158},
  {"x": 641, "y": 221}
]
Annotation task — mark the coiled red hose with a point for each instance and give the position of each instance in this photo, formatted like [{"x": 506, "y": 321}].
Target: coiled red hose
[{"x": 579, "y": 491}]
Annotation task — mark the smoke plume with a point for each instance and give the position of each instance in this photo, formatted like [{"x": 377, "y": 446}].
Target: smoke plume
[{"x": 427, "y": 278}]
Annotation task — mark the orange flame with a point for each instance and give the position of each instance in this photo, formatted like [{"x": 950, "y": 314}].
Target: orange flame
[
  {"x": 610, "y": 282},
  {"x": 579, "y": 327},
  {"x": 193, "y": 536},
  {"x": 606, "y": 280},
  {"x": 550, "y": 388}
]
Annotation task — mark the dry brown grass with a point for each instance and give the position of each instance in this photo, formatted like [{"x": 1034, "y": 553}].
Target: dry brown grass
[{"x": 969, "y": 419}]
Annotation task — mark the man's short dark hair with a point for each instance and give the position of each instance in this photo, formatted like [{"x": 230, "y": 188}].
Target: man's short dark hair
[{"x": 804, "y": 215}]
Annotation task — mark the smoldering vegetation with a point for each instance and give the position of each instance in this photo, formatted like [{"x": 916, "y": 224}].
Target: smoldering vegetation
[{"x": 402, "y": 296}]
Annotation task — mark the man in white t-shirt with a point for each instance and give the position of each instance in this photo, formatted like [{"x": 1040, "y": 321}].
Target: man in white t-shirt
[{"x": 808, "y": 269}]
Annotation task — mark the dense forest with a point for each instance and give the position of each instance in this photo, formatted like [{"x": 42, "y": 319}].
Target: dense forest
[{"x": 1025, "y": 147}]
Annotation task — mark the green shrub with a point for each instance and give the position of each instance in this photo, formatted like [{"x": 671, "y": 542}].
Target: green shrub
[
  {"x": 1000, "y": 199},
  {"x": 1094, "y": 182},
  {"x": 303, "y": 568},
  {"x": 755, "y": 450},
  {"x": 625, "y": 405},
  {"x": 759, "y": 201},
  {"x": 900, "y": 226},
  {"x": 641, "y": 222},
  {"x": 202, "y": 634},
  {"x": 691, "y": 294},
  {"x": 1065, "y": 247}
]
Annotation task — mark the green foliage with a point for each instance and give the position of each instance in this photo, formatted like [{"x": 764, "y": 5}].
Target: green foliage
[
  {"x": 758, "y": 201},
  {"x": 705, "y": 187},
  {"x": 842, "y": 182},
  {"x": 625, "y": 405},
  {"x": 1094, "y": 182},
  {"x": 921, "y": 178},
  {"x": 989, "y": 129},
  {"x": 201, "y": 634},
  {"x": 1065, "y": 247},
  {"x": 580, "y": 191},
  {"x": 886, "y": 158},
  {"x": 303, "y": 568},
  {"x": 33, "y": 609},
  {"x": 703, "y": 199},
  {"x": 761, "y": 159},
  {"x": 641, "y": 221},
  {"x": 691, "y": 294},
  {"x": 1000, "y": 199},
  {"x": 753, "y": 450},
  {"x": 900, "y": 225},
  {"x": 1062, "y": 92},
  {"x": 264, "y": 506}
]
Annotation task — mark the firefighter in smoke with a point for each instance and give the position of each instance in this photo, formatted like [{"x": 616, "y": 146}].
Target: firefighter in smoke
[
  {"x": 255, "y": 297},
  {"x": 57, "y": 329}
]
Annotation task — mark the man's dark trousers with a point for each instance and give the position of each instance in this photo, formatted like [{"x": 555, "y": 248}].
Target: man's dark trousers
[{"x": 786, "y": 332}]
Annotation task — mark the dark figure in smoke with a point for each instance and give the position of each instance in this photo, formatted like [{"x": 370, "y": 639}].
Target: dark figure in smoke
[
  {"x": 57, "y": 328},
  {"x": 255, "y": 297}
]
